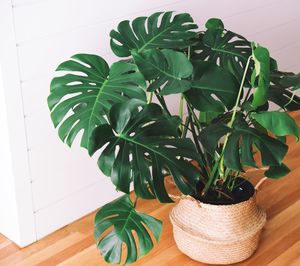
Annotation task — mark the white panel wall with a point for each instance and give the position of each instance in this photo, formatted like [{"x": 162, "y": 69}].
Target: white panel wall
[{"x": 65, "y": 183}]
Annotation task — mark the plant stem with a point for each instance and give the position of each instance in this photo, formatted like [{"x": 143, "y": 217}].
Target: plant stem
[
  {"x": 193, "y": 114},
  {"x": 247, "y": 95},
  {"x": 150, "y": 97},
  {"x": 163, "y": 103},
  {"x": 185, "y": 127},
  {"x": 233, "y": 118},
  {"x": 181, "y": 109}
]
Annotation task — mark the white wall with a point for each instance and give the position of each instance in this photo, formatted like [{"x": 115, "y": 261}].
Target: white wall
[{"x": 64, "y": 183}]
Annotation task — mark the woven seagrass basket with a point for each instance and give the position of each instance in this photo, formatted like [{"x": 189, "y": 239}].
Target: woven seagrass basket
[{"x": 217, "y": 234}]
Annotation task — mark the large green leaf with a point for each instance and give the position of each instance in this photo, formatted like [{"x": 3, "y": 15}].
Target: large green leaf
[
  {"x": 239, "y": 148},
  {"x": 225, "y": 48},
  {"x": 124, "y": 220},
  {"x": 159, "y": 30},
  {"x": 211, "y": 135},
  {"x": 260, "y": 78},
  {"x": 279, "y": 123},
  {"x": 82, "y": 98},
  {"x": 211, "y": 81},
  {"x": 166, "y": 68},
  {"x": 141, "y": 143},
  {"x": 277, "y": 171},
  {"x": 240, "y": 145}
]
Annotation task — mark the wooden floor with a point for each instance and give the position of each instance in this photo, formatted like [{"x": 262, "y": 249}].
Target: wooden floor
[{"x": 73, "y": 245}]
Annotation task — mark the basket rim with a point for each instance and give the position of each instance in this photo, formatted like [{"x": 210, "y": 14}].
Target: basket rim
[
  {"x": 217, "y": 206},
  {"x": 189, "y": 231}
]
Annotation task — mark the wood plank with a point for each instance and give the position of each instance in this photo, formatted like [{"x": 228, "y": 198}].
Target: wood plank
[{"x": 290, "y": 256}]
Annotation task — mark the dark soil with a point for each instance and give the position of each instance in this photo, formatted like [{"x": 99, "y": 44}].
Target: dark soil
[{"x": 243, "y": 191}]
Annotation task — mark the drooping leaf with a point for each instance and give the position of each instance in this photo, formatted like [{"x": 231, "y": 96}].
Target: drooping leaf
[
  {"x": 166, "y": 68},
  {"x": 210, "y": 80},
  {"x": 121, "y": 217},
  {"x": 82, "y": 98},
  {"x": 239, "y": 148},
  {"x": 224, "y": 48},
  {"x": 279, "y": 123},
  {"x": 141, "y": 143},
  {"x": 277, "y": 171},
  {"x": 146, "y": 33},
  {"x": 260, "y": 78}
]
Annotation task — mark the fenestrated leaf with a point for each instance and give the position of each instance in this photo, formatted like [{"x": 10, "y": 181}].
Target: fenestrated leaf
[
  {"x": 210, "y": 80},
  {"x": 279, "y": 123},
  {"x": 224, "y": 48},
  {"x": 283, "y": 98},
  {"x": 260, "y": 78},
  {"x": 210, "y": 136},
  {"x": 239, "y": 148},
  {"x": 291, "y": 81},
  {"x": 277, "y": 171},
  {"x": 140, "y": 150},
  {"x": 81, "y": 99},
  {"x": 167, "y": 68},
  {"x": 146, "y": 33},
  {"x": 123, "y": 219}
]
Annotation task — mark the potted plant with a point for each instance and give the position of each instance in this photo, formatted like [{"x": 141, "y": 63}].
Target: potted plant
[{"x": 227, "y": 84}]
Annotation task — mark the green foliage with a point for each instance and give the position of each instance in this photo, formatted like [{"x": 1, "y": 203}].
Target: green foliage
[
  {"x": 214, "y": 23},
  {"x": 226, "y": 84},
  {"x": 239, "y": 149},
  {"x": 279, "y": 123},
  {"x": 121, "y": 216},
  {"x": 209, "y": 80},
  {"x": 146, "y": 33},
  {"x": 291, "y": 80},
  {"x": 224, "y": 48},
  {"x": 260, "y": 78},
  {"x": 82, "y": 98},
  {"x": 151, "y": 139},
  {"x": 167, "y": 68}
]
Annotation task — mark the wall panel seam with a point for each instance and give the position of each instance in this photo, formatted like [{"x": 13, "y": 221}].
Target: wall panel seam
[{"x": 24, "y": 120}]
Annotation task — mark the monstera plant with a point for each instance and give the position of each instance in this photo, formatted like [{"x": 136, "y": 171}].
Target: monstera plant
[{"x": 228, "y": 86}]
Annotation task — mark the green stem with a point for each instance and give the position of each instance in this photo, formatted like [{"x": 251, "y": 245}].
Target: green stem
[
  {"x": 233, "y": 118},
  {"x": 290, "y": 100},
  {"x": 163, "y": 103},
  {"x": 185, "y": 127},
  {"x": 150, "y": 98},
  {"x": 196, "y": 120},
  {"x": 181, "y": 109}
]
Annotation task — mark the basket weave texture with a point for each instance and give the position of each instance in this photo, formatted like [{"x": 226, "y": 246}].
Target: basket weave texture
[{"x": 217, "y": 234}]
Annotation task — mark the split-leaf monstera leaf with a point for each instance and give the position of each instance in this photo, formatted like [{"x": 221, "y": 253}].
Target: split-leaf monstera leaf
[
  {"x": 82, "y": 98},
  {"x": 141, "y": 143},
  {"x": 241, "y": 143},
  {"x": 224, "y": 48},
  {"x": 279, "y": 123},
  {"x": 121, "y": 219},
  {"x": 208, "y": 82},
  {"x": 160, "y": 30},
  {"x": 167, "y": 69}
]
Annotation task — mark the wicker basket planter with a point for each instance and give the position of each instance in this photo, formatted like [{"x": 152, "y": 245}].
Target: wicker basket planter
[{"x": 217, "y": 234}]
